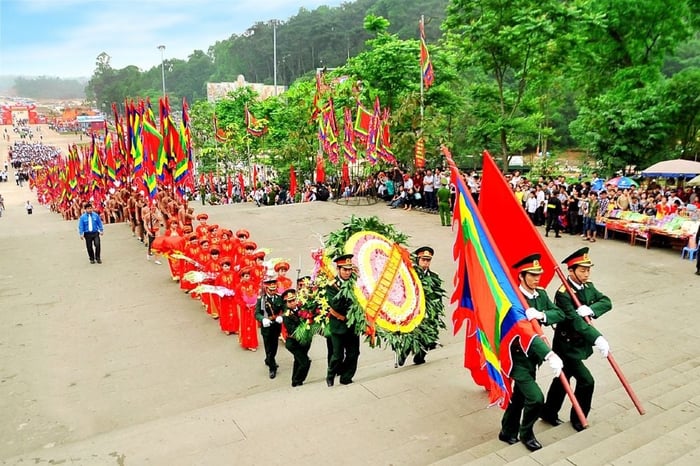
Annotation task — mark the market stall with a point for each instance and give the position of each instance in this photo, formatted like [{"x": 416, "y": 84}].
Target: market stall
[{"x": 643, "y": 228}]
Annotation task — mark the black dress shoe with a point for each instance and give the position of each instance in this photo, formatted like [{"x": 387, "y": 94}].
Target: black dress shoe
[
  {"x": 92, "y": 261},
  {"x": 99, "y": 261},
  {"x": 532, "y": 444},
  {"x": 297, "y": 384},
  {"x": 402, "y": 360},
  {"x": 552, "y": 421},
  {"x": 697, "y": 272},
  {"x": 578, "y": 427},
  {"x": 510, "y": 440},
  {"x": 345, "y": 382},
  {"x": 273, "y": 373},
  {"x": 330, "y": 381}
]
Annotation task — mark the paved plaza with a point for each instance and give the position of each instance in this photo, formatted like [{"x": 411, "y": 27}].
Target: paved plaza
[{"x": 112, "y": 364}]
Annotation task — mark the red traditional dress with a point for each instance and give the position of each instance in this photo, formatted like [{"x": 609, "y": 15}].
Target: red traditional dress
[
  {"x": 192, "y": 251},
  {"x": 245, "y": 299},
  {"x": 228, "y": 311},
  {"x": 212, "y": 302},
  {"x": 175, "y": 264}
]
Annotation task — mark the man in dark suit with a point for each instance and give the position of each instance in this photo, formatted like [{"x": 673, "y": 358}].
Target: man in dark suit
[
  {"x": 574, "y": 338},
  {"x": 527, "y": 399},
  {"x": 268, "y": 311},
  {"x": 346, "y": 345}
]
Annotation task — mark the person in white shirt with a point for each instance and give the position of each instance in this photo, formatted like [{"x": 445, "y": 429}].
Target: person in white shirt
[{"x": 429, "y": 191}]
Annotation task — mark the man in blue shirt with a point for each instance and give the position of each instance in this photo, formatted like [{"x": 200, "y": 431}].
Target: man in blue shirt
[{"x": 90, "y": 229}]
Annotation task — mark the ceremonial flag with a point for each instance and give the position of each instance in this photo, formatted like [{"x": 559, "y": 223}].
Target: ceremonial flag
[
  {"x": 229, "y": 186},
  {"x": 488, "y": 299},
  {"x": 320, "y": 170},
  {"x": 419, "y": 161},
  {"x": 349, "y": 149},
  {"x": 253, "y": 126},
  {"x": 255, "y": 177},
  {"x": 362, "y": 122},
  {"x": 219, "y": 133},
  {"x": 426, "y": 65},
  {"x": 292, "y": 181},
  {"x": 345, "y": 175},
  {"x": 503, "y": 215},
  {"x": 241, "y": 184},
  {"x": 95, "y": 162}
]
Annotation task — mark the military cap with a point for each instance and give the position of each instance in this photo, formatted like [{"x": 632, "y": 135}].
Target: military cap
[
  {"x": 530, "y": 264},
  {"x": 344, "y": 261},
  {"x": 579, "y": 257},
  {"x": 425, "y": 252}
]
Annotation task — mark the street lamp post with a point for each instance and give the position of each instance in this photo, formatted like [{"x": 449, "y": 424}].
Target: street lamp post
[
  {"x": 274, "y": 53},
  {"x": 162, "y": 65}
]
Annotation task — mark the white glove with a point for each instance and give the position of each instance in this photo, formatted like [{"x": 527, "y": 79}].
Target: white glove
[
  {"x": 278, "y": 319},
  {"x": 532, "y": 313},
  {"x": 266, "y": 322},
  {"x": 584, "y": 311},
  {"x": 602, "y": 345},
  {"x": 555, "y": 363}
]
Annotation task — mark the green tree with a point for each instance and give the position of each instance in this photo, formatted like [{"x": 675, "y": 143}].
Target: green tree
[{"x": 510, "y": 42}]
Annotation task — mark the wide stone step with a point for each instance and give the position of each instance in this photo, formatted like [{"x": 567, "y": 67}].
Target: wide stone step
[
  {"x": 610, "y": 420},
  {"x": 619, "y": 437},
  {"x": 660, "y": 451},
  {"x": 692, "y": 457}
]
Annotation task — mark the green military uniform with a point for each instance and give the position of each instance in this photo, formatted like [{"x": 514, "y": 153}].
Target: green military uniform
[
  {"x": 573, "y": 341},
  {"x": 345, "y": 344},
  {"x": 443, "y": 197},
  {"x": 270, "y": 306},
  {"x": 300, "y": 351},
  {"x": 527, "y": 398},
  {"x": 429, "y": 328}
]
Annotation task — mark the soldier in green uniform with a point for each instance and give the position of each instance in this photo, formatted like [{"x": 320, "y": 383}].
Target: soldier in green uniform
[
  {"x": 574, "y": 338},
  {"x": 435, "y": 309},
  {"x": 299, "y": 350},
  {"x": 345, "y": 344},
  {"x": 268, "y": 311},
  {"x": 527, "y": 398},
  {"x": 443, "y": 197}
]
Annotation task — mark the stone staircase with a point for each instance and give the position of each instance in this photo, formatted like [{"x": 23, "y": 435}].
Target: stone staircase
[{"x": 669, "y": 432}]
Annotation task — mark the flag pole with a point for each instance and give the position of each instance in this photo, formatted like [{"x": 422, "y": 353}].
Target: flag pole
[
  {"x": 422, "y": 86},
  {"x": 562, "y": 377}
]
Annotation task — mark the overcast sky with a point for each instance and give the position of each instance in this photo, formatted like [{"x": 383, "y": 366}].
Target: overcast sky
[{"x": 64, "y": 37}]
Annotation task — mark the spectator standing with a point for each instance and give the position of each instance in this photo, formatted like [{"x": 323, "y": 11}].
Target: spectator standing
[{"x": 28, "y": 206}]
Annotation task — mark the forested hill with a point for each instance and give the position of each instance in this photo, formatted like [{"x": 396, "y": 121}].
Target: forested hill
[{"x": 323, "y": 37}]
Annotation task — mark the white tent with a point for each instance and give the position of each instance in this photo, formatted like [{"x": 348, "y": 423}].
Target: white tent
[
  {"x": 694, "y": 182},
  {"x": 673, "y": 169}
]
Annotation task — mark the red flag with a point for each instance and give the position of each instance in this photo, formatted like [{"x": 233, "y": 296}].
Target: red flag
[
  {"x": 241, "y": 184},
  {"x": 255, "y": 177},
  {"x": 212, "y": 189},
  {"x": 229, "y": 186},
  {"x": 292, "y": 181},
  {"x": 346, "y": 175},
  {"x": 503, "y": 215},
  {"x": 320, "y": 170},
  {"x": 219, "y": 133},
  {"x": 253, "y": 126}
]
